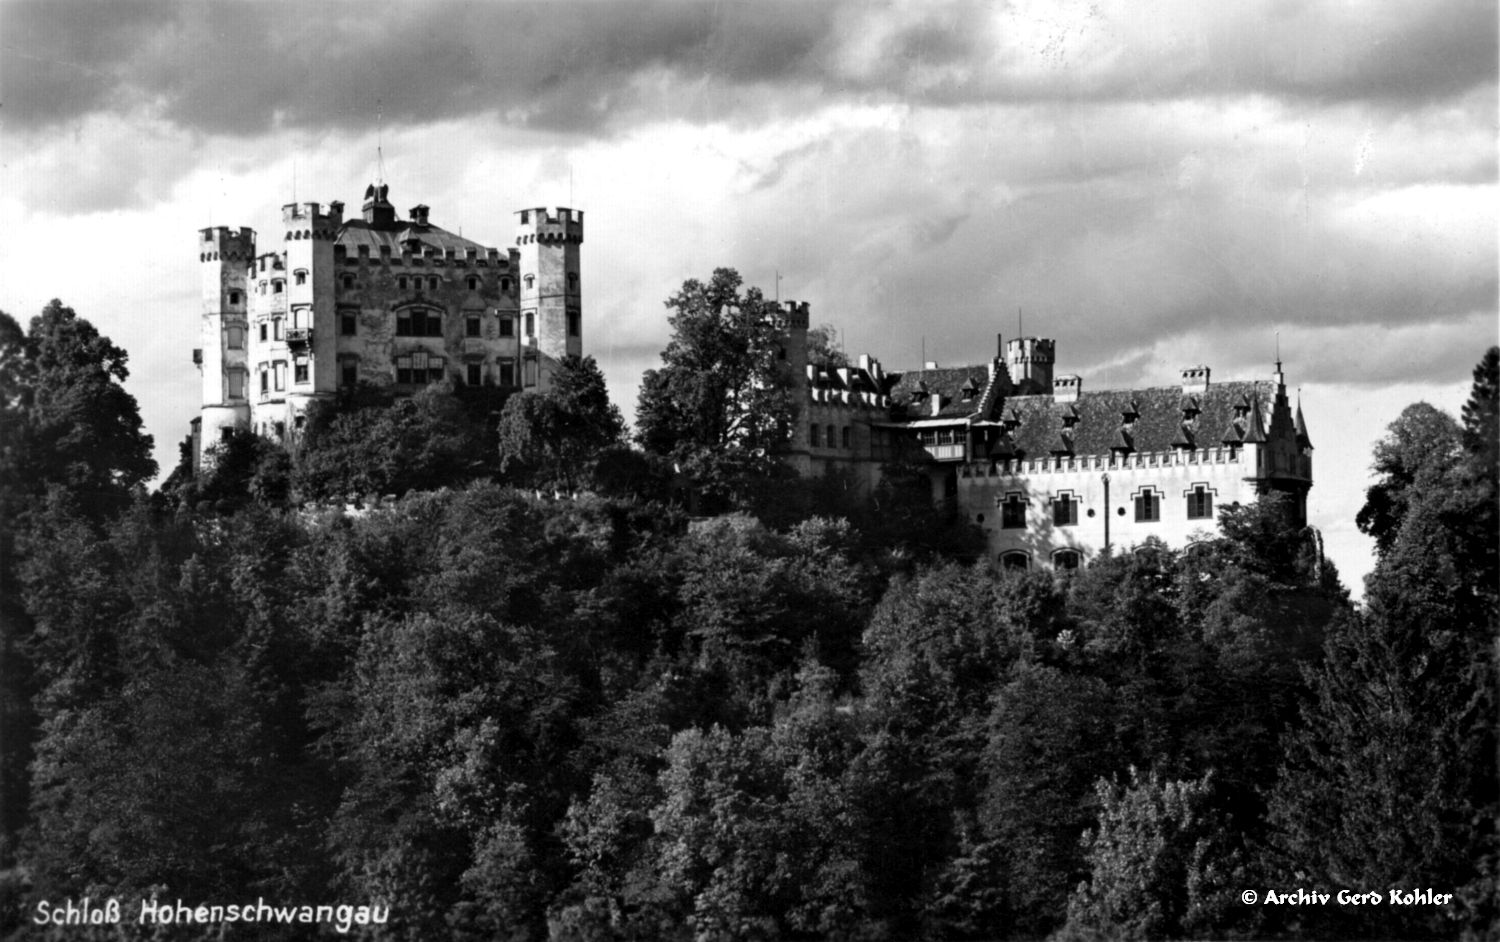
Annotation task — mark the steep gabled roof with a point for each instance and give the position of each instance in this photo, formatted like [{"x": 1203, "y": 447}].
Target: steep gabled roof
[
  {"x": 357, "y": 232},
  {"x": 1160, "y": 423},
  {"x": 914, "y": 390}
]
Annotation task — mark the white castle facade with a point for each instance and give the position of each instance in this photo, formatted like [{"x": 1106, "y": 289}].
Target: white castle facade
[{"x": 400, "y": 303}]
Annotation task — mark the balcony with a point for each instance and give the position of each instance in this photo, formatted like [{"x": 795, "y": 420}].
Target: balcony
[
  {"x": 944, "y": 452},
  {"x": 299, "y": 337}
]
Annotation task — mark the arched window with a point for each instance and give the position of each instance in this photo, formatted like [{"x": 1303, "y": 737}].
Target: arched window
[
  {"x": 1066, "y": 559},
  {"x": 1015, "y": 559}
]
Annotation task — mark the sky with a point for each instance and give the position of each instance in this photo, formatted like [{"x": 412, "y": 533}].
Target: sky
[{"x": 1154, "y": 184}]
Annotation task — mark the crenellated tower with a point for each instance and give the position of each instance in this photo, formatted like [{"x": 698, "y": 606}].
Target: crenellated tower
[
  {"x": 1029, "y": 360},
  {"x": 224, "y": 256},
  {"x": 551, "y": 298},
  {"x": 311, "y": 334}
]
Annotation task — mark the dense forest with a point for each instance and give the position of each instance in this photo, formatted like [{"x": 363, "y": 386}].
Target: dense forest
[{"x": 476, "y": 657}]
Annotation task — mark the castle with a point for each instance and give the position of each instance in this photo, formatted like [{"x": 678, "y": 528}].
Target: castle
[
  {"x": 1054, "y": 474},
  {"x": 381, "y": 300}
]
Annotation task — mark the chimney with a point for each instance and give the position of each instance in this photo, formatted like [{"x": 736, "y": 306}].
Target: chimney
[{"x": 419, "y": 215}]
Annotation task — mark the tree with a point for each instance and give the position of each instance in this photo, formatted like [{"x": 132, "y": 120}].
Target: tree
[
  {"x": 67, "y": 418},
  {"x": 1392, "y": 779},
  {"x": 1158, "y": 869},
  {"x": 1422, "y": 443},
  {"x": 721, "y": 403},
  {"x": 823, "y": 348},
  {"x": 555, "y": 438}
]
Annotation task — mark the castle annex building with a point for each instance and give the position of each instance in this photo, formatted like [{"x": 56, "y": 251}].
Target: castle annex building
[
  {"x": 394, "y": 302},
  {"x": 1055, "y": 473}
]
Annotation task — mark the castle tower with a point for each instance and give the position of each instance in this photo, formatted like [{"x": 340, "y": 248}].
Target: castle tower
[
  {"x": 224, "y": 255},
  {"x": 1029, "y": 360},
  {"x": 311, "y": 333},
  {"x": 794, "y": 318},
  {"x": 551, "y": 289}
]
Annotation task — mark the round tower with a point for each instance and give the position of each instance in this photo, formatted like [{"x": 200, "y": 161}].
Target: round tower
[
  {"x": 551, "y": 288},
  {"x": 224, "y": 256}
]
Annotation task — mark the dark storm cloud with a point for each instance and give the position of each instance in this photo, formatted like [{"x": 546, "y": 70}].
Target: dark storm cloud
[
  {"x": 246, "y": 68},
  {"x": 243, "y": 69}
]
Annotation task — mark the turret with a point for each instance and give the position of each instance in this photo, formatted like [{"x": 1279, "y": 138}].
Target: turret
[
  {"x": 224, "y": 256},
  {"x": 311, "y": 336},
  {"x": 1029, "y": 360},
  {"x": 551, "y": 295}
]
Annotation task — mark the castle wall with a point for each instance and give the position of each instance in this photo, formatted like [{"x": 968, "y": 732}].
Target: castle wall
[{"x": 982, "y": 490}]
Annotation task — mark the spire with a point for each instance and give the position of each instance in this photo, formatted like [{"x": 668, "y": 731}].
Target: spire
[
  {"x": 1302, "y": 440},
  {"x": 1256, "y": 433}
]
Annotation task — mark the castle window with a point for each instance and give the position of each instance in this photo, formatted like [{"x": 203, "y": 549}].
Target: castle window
[
  {"x": 531, "y": 323},
  {"x": 236, "y": 384},
  {"x": 348, "y": 372},
  {"x": 236, "y": 340},
  {"x": 574, "y": 322},
  {"x": 234, "y": 297},
  {"x": 471, "y": 326},
  {"x": 812, "y": 435},
  {"x": 529, "y": 367},
  {"x": 275, "y": 328},
  {"x": 473, "y": 283},
  {"x": 531, "y": 281},
  {"x": 300, "y": 276},
  {"x": 1200, "y": 502},
  {"x": 265, "y": 380},
  {"x": 474, "y": 374},
  {"x": 1066, "y": 559},
  {"x": 1147, "y": 506},
  {"x": 1013, "y": 512},
  {"x": 262, "y": 332},
  {"x": 1064, "y": 510},
  {"x": 1015, "y": 559},
  {"x": 299, "y": 370},
  {"x": 348, "y": 324},
  {"x": 262, "y": 286},
  {"x": 432, "y": 284},
  {"x": 832, "y": 442},
  {"x": 279, "y": 370},
  {"x": 573, "y": 281},
  {"x": 419, "y": 368},
  {"x": 507, "y": 326},
  {"x": 505, "y": 284},
  {"x": 278, "y": 286},
  {"x": 348, "y": 282},
  {"x": 507, "y": 373},
  {"x": 419, "y": 323},
  {"x": 401, "y": 283},
  {"x": 846, "y": 436}
]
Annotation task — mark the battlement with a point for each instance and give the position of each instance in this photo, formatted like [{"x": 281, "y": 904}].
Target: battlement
[
  {"x": 225, "y": 243},
  {"x": 795, "y": 315},
  {"x": 1033, "y": 349},
  {"x": 976, "y": 473},
  {"x": 549, "y": 225}
]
